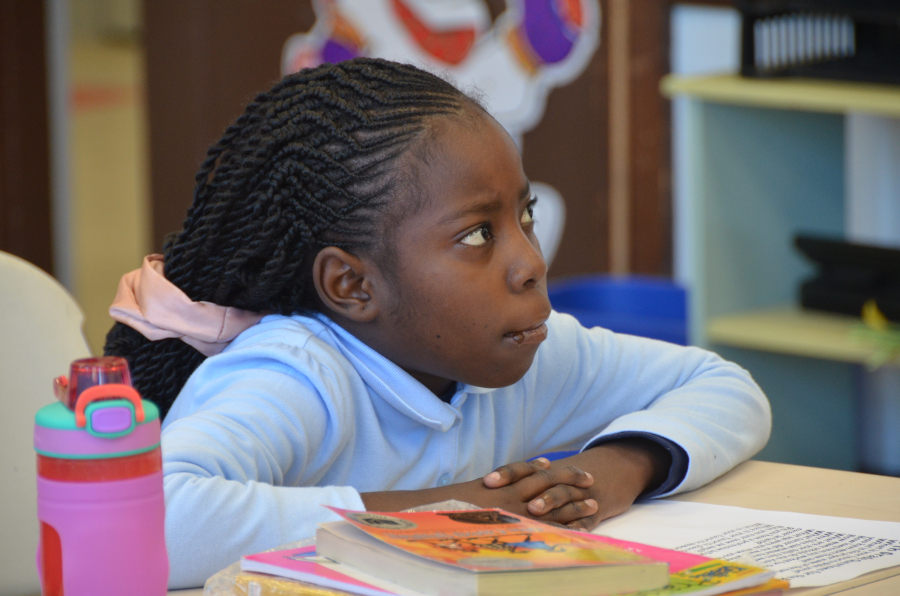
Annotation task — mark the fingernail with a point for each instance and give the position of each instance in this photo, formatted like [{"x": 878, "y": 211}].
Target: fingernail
[
  {"x": 543, "y": 460},
  {"x": 538, "y": 504},
  {"x": 591, "y": 503},
  {"x": 495, "y": 476},
  {"x": 588, "y": 474}
]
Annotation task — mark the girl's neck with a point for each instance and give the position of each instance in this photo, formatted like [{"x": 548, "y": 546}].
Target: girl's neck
[
  {"x": 440, "y": 387},
  {"x": 437, "y": 385}
]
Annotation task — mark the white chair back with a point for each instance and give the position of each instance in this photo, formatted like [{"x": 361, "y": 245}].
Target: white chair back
[{"x": 40, "y": 334}]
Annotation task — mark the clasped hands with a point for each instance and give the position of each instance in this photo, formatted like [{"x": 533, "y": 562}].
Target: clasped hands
[{"x": 578, "y": 491}]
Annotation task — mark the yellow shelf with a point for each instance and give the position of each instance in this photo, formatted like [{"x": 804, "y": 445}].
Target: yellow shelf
[
  {"x": 789, "y": 94},
  {"x": 792, "y": 331}
]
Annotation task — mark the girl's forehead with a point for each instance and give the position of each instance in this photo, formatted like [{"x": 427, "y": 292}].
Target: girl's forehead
[
  {"x": 466, "y": 162},
  {"x": 458, "y": 148}
]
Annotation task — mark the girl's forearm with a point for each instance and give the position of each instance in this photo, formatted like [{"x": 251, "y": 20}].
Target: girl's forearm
[{"x": 398, "y": 500}]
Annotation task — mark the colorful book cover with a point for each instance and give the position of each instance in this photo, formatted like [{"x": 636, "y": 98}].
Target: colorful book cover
[
  {"x": 303, "y": 564},
  {"x": 254, "y": 584},
  {"x": 690, "y": 574},
  {"x": 324, "y": 577},
  {"x": 677, "y": 560},
  {"x": 696, "y": 575},
  {"x": 773, "y": 587},
  {"x": 488, "y": 540},
  {"x": 715, "y": 577}
]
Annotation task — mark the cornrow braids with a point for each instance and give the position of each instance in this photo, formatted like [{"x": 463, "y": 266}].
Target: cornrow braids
[{"x": 311, "y": 163}]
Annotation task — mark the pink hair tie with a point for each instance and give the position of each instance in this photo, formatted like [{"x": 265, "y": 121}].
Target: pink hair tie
[{"x": 148, "y": 302}]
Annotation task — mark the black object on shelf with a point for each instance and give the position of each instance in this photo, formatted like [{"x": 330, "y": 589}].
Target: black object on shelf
[
  {"x": 849, "y": 275},
  {"x": 834, "y": 39}
]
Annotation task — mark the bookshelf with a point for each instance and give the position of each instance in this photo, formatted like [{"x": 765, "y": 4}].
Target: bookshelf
[
  {"x": 789, "y": 94},
  {"x": 763, "y": 160},
  {"x": 789, "y": 330}
]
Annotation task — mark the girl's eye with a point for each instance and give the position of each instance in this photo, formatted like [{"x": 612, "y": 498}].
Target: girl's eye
[
  {"x": 528, "y": 214},
  {"x": 478, "y": 237}
]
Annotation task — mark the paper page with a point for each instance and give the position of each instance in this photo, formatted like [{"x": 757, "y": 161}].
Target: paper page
[{"x": 808, "y": 550}]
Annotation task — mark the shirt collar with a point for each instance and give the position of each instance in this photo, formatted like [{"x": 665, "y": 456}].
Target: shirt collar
[{"x": 395, "y": 385}]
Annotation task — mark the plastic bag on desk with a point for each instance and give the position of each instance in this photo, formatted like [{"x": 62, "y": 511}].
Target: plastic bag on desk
[{"x": 231, "y": 581}]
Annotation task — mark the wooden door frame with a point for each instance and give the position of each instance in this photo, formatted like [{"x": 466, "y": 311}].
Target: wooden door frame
[{"x": 25, "y": 203}]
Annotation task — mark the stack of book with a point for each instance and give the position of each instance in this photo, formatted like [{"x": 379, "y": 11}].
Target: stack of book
[{"x": 486, "y": 552}]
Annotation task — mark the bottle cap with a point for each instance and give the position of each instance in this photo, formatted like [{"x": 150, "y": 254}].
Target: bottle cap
[
  {"x": 90, "y": 372},
  {"x": 100, "y": 415}
]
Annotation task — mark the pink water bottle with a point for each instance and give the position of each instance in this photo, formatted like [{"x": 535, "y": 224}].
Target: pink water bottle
[{"x": 100, "y": 492}]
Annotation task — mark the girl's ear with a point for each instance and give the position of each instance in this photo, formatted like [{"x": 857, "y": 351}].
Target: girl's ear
[{"x": 342, "y": 284}]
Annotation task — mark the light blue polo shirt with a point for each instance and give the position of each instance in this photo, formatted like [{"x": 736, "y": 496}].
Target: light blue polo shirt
[{"x": 297, "y": 413}]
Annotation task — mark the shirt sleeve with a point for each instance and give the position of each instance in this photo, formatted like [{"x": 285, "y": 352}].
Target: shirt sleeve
[
  {"x": 608, "y": 385},
  {"x": 233, "y": 465},
  {"x": 677, "y": 470}
]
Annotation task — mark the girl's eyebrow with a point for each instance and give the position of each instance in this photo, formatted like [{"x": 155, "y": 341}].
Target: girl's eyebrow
[{"x": 487, "y": 207}]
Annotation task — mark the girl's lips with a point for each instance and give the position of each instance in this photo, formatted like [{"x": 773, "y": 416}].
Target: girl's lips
[{"x": 526, "y": 337}]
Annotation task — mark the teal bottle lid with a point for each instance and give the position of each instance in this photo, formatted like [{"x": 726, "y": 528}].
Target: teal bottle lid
[{"x": 112, "y": 428}]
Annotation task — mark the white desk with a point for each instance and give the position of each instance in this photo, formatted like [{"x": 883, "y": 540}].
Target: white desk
[{"x": 780, "y": 487}]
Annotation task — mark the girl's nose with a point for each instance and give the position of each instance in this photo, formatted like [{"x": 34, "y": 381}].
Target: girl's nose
[{"x": 527, "y": 265}]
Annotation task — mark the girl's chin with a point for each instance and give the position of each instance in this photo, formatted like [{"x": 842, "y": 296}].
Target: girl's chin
[{"x": 510, "y": 371}]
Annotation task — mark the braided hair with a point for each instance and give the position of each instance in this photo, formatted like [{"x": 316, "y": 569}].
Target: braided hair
[{"x": 311, "y": 163}]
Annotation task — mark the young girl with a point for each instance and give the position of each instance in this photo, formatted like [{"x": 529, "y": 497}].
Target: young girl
[{"x": 363, "y": 238}]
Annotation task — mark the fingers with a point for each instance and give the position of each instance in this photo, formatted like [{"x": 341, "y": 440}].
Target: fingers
[
  {"x": 576, "y": 515},
  {"x": 510, "y": 473},
  {"x": 581, "y": 479},
  {"x": 538, "y": 474},
  {"x": 589, "y": 522},
  {"x": 585, "y": 524},
  {"x": 551, "y": 493},
  {"x": 556, "y": 497}
]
